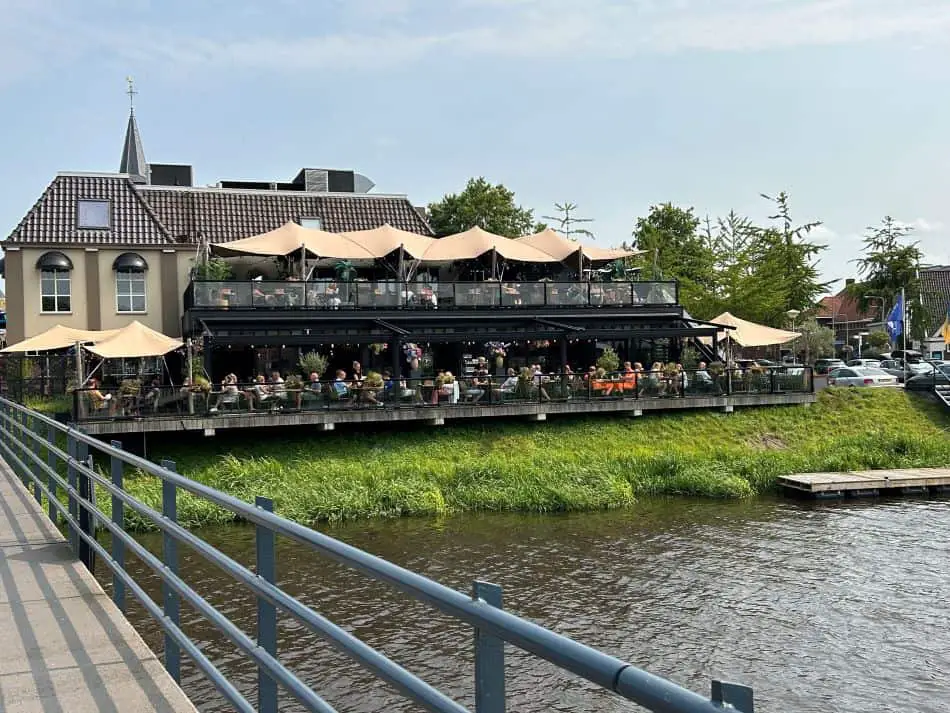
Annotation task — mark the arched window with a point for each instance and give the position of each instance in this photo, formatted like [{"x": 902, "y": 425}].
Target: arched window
[
  {"x": 55, "y": 269},
  {"x": 130, "y": 272}
]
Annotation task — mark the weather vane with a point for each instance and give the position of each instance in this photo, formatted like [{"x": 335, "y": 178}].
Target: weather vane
[{"x": 131, "y": 92}]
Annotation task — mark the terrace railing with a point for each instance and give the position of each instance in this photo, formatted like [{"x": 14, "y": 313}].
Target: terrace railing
[
  {"x": 487, "y": 393},
  {"x": 322, "y": 295},
  {"x": 33, "y": 445}
]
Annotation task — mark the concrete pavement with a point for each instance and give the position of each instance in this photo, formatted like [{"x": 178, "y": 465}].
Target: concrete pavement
[{"x": 64, "y": 646}]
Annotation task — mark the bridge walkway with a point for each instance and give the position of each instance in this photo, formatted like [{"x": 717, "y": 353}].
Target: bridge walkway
[{"x": 65, "y": 647}]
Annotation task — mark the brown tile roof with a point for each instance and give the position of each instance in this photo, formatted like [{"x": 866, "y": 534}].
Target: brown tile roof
[
  {"x": 52, "y": 219},
  {"x": 221, "y": 215},
  {"x": 842, "y": 307},
  {"x": 162, "y": 215},
  {"x": 935, "y": 294}
]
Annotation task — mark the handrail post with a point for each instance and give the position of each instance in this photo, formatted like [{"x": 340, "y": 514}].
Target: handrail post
[
  {"x": 72, "y": 479},
  {"x": 733, "y": 694},
  {"x": 50, "y": 480},
  {"x": 170, "y": 602},
  {"x": 37, "y": 490},
  {"x": 86, "y": 554},
  {"x": 266, "y": 612},
  {"x": 118, "y": 518},
  {"x": 489, "y": 657}
]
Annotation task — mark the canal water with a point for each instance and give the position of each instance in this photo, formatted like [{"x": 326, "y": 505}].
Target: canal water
[{"x": 820, "y": 607}]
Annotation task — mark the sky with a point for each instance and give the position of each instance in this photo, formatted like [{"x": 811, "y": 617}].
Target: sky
[{"x": 614, "y": 105}]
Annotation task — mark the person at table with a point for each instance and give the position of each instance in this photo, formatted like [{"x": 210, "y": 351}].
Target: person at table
[
  {"x": 481, "y": 381},
  {"x": 99, "y": 400},
  {"x": 277, "y": 387},
  {"x": 508, "y": 386},
  {"x": 357, "y": 380},
  {"x": 341, "y": 389},
  {"x": 539, "y": 379},
  {"x": 259, "y": 392}
]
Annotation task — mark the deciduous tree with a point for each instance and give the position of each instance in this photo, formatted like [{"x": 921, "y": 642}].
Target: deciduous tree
[{"x": 487, "y": 206}]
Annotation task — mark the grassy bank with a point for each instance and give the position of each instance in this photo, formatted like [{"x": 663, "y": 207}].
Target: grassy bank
[{"x": 588, "y": 463}]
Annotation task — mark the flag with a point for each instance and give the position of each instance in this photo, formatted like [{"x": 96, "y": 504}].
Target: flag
[
  {"x": 945, "y": 329},
  {"x": 895, "y": 320}
]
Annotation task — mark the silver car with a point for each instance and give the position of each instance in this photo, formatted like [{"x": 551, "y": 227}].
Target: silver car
[
  {"x": 896, "y": 367},
  {"x": 869, "y": 363},
  {"x": 860, "y": 376}
]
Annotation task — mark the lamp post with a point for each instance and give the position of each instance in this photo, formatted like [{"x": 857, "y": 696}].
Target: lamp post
[
  {"x": 883, "y": 306},
  {"x": 792, "y": 315}
]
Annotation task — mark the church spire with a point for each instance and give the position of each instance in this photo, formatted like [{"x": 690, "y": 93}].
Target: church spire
[{"x": 133, "y": 155}]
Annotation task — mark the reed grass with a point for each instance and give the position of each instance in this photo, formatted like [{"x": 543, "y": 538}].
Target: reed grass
[{"x": 578, "y": 464}]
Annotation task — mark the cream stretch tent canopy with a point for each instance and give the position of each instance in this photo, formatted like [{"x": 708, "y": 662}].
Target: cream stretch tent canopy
[
  {"x": 59, "y": 337},
  {"x": 133, "y": 341},
  {"x": 750, "y": 334},
  {"x": 558, "y": 246},
  {"x": 475, "y": 242},
  {"x": 386, "y": 239},
  {"x": 291, "y": 238}
]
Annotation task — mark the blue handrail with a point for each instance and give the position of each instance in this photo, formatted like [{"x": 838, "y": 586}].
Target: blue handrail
[{"x": 24, "y": 434}]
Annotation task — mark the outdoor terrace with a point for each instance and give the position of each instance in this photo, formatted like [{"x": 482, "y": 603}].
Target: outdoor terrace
[
  {"x": 393, "y": 294},
  {"x": 156, "y": 409}
]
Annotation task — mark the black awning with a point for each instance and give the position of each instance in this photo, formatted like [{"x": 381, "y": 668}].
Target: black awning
[
  {"x": 54, "y": 260},
  {"x": 130, "y": 262}
]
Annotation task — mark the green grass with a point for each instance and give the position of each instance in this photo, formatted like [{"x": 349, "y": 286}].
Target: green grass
[{"x": 577, "y": 464}]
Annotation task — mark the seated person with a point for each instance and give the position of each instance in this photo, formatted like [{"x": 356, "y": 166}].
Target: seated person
[
  {"x": 508, "y": 386},
  {"x": 97, "y": 399},
  {"x": 230, "y": 394},
  {"x": 259, "y": 392},
  {"x": 340, "y": 390},
  {"x": 278, "y": 390}
]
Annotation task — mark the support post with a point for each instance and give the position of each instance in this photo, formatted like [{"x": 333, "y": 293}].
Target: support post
[
  {"x": 50, "y": 481},
  {"x": 266, "y": 612},
  {"x": 117, "y": 468},
  {"x": 733, "y": 694},
  {"x": 72, "y": 479},
  {"x": 489, "y": 657},
  {"x": 37, "y": 490},
  {"x": 395, "y": 351},
  {"x": 170, "y": 602}
]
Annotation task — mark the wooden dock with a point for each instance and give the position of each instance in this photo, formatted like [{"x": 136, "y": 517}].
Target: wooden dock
[{"x": 870, "y": 483}]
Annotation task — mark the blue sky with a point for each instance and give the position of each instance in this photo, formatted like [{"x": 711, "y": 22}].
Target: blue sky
[{"x": 614, "y": 105}]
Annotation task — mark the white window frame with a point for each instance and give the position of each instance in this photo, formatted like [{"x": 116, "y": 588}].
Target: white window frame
[
  {"x": 316, "y": 223},
  {"x": 57, "y": 275},
  {"x": 130, "y": 275},
  {"x": 97, "y": 225}
]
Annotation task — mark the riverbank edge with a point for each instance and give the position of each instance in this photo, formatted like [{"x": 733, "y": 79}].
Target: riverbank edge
[{"x": 579, "y": 465}]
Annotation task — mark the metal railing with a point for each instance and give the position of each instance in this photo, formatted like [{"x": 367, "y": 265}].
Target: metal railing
[
  {"x": 391, "y": 294},
  {"x": 28, "y": 442},
  {"x": 485, "y": 392}
]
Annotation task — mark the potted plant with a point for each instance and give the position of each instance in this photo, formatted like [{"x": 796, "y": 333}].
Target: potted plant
[
  {"x": 608, "y": 360},
  {"x": 313, "y": 363},
  {"x": 214, "y": 269},
  {"x": 378, "y": 347},
  {"x": 130, "y": 387},
  {"x": 497, "y": 351},
  {"x": 373, "y": 380},
  {"x": 200, "y": 384}
]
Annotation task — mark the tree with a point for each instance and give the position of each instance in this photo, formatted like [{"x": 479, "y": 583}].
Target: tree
[
  {"x": 673, "y": 249},
  {"x": 487, "y": 206},
  {"x": 815, "y": 341},
  {"x": 878, "y": 340},
  {"x": 566, "y": 220},
  {"x": 794, "y": 257},
  {"x": 889, "y": 264}
]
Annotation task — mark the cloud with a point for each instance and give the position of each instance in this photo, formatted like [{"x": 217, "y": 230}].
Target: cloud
[
  {"x": 922, "y": 225},
  {"x": 368, "y": 34}
]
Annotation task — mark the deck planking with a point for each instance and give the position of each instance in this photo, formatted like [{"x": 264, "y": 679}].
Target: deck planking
[{"x": 869, "y": 482}]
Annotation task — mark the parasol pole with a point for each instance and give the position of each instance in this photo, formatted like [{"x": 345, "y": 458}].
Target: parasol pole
[
  {"x": 494, "y": 262},
  {"x": 580, "y": 264}
]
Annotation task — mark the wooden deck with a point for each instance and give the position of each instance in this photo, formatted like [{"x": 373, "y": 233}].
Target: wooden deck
[{"x": 869, "y": 483}]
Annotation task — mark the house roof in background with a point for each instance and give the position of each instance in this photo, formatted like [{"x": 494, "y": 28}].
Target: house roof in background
[
  {"x": 935, "y": 294},
  {"x": 842, "y": 307},
  {"x": 162, "y": 215}
]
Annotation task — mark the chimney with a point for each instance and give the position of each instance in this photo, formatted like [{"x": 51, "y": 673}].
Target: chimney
[{"x": 848, "y": 282}]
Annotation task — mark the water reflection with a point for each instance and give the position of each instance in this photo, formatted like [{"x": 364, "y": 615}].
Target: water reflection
[{"x": 820, "y": 608}]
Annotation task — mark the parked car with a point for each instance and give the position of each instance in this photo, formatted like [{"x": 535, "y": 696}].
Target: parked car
[
  {"x": 860, "y": 376},
  {"x": 903, "y": 371},
  {"x": 925, "y": 382},
  {"x": 823, "y": 366},
  {"x": 869, "y": 363}
]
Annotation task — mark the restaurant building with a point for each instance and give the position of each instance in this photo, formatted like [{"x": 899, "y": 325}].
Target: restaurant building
[{"x": 253, "y": 273}]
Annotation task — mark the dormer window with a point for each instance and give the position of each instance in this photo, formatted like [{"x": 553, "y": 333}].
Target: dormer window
[
  {"x": 312, "y": 223},
  {"x": 55, "y": 269},
  {"x": 94, "y": 214}
]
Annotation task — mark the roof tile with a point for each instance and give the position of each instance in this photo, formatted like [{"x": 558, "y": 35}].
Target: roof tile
[{"x": 935, "y": 294}]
